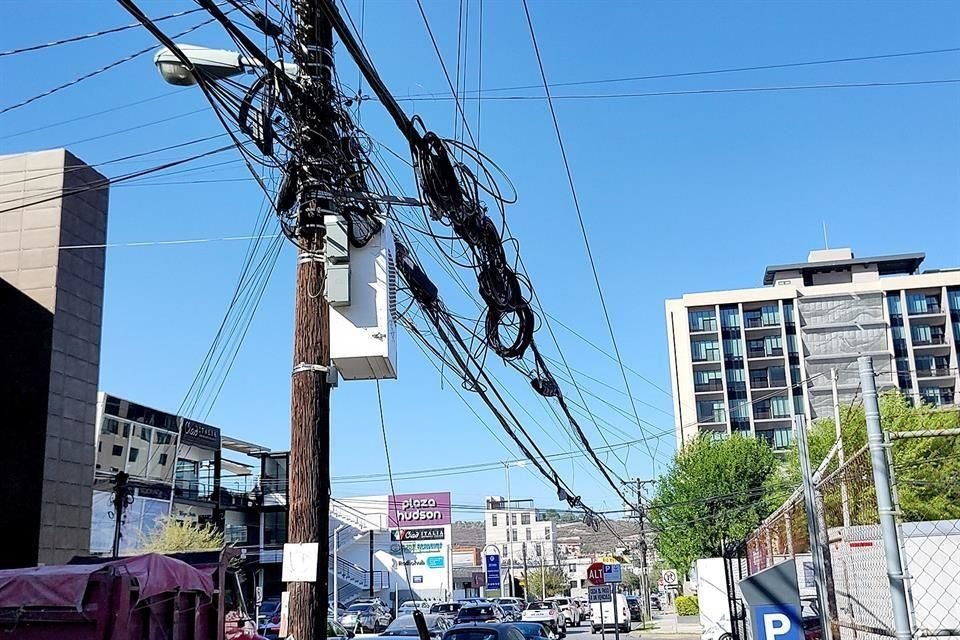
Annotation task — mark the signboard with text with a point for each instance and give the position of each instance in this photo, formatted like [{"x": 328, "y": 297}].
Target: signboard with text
[
  {"x": 415, "y": 535},
  {"x": 612, "y": 574},
  {"x": 492, "y": 564},
  {"x": 418, "y": 510},
  {"x": 600, "y": 593},
  {"x": 595, "y": 573}
]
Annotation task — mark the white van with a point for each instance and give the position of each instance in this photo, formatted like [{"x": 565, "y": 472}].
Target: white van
[{"x": 601, "y": 613}]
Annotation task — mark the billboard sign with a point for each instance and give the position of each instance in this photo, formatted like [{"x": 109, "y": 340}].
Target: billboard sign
[
  {"x": 419, "y": 510},
  {"x": 600, "y": 593},
  {"x": 415, "y": 535},
  {"x": 492, "y": 564},
  {"x": 612, "y": 574}
]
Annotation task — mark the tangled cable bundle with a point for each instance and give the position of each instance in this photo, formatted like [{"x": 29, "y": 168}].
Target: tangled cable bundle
[{"x": 453, "y": 192}]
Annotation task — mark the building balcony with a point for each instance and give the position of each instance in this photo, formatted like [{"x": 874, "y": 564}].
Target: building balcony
[
  {"x": 774, "y": 383},
  {"x": 717, "y": 418},
  {"x": 936, "y": 340},
  {"x": 945, "y": 396},
  {"x": 929, "y": 310},
  {"x": 935, "y": 372},
  {"x": 776, "y": 352},
  {"x": 707, "y": 387}
]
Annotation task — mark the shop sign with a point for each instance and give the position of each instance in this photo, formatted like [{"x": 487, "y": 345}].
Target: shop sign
[
  {"x": 419, "y": 510},
  {"x": 413, "y": 535}
]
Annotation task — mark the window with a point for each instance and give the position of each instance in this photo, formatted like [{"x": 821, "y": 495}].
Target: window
[
  {"x": 777, "y": 438},
  {"x": 163, "y": 459},
  {"x": 893, "y": 305},
  {"x": 953, "y": 299},
  {"x": 918, "y": 303},
  {"x": 134, "y": 454},
  {"x": 792, "y": 344},
  {"x": 770, "y": 313},
  {"x": 705, "y": 350},
  {"x": 529, "y": 534},
  {"x": 780, "y": 407},
  {"x": 761, "y": 409},
  {"x": 755, "y": 348},
  {"x": 707, "y": 380},
  {"x": 753, "y": 318},
  {"x": 513, "y": 519},
  {"x": 733, "y": 347},
  {"x": 773, "y": 345},
  {"x": 729, "y": 318},
  {"x": 711, "y": 411},
  {"x": 777, "y": 376},
  {"x": 703, "y": 320},
  {"x": 740, "y": 410},
  {"x": 111, "y": 426},
  {"x": 493, "y": 520},
  {"x": 788, "y": 312},
  {"x": 145, "y": 434},
  {"x": 735, "y": 374},
  {"x": 798, "y": 405},
  {"x": 795, "y": 375},
  {"x": 758, "y": 378},
  {"x": 164, "y": 437},
  {"x": 524, "y": 518},
  {"x": 546, "y": 533},
  {"x": 116, "y": 451},
  {"x": 572, "y": 568}
]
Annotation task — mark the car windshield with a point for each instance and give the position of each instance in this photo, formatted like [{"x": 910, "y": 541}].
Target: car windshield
[
  {"x": 452, "y": 607},
  {"x": 477, "y": 611},
  {"x": 539, "y": 606},
  {"x": 634, "y": 599},
  {"x": 471, "y": 633},
  {"x": 359, "y": 607}
]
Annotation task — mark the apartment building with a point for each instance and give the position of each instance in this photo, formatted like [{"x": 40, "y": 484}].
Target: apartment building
[
  {"x": 512, "y": 525},
  {"x": 748, "y": 360}
]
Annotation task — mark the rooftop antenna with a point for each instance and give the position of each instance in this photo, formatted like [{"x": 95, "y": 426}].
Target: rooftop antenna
[{"x": 826, "y": 242}]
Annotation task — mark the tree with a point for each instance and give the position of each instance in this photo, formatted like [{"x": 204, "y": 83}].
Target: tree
[
  {"x": 926, "y": 468},
  {"x": 172, "y": 536},
  {"x": 553, "y": 579},
  {"x": 631, "y": 581},
  {"x": 711, "y": 493}
]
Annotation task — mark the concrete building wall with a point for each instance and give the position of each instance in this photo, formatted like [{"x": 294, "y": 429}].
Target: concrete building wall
[{"x": 50, "y": 201}]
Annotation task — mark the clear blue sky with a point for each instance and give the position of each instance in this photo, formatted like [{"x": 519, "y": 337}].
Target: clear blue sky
[{"x": 680, "y": 193}]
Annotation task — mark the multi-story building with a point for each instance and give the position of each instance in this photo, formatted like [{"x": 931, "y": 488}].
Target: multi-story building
[
  {"x": 53, "y": 221},
  {"x": 516, "y": 527},
  {"x": 748, "y": 360}
]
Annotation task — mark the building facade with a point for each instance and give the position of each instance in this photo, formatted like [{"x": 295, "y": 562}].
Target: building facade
[
  {"x": 749, "y": 360},
  {"x": 518, "y": 530},
  {"x": 51, "y": 298}
]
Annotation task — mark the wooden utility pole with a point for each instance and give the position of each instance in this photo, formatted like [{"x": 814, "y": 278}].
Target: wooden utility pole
[{"x": 309, "y": 484}]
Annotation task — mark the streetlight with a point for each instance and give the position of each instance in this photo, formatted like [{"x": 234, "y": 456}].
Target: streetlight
[
  {"x": 215, "y": 63},
  {"x": 506, "y": 471}
]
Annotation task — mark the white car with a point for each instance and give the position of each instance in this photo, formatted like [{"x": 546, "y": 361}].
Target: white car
[
  {"x": 548, "y": 614},
  {"x": 602, "y": 615},
  {"x": 407, "y": 608},
  {"x": 569, "y": 609}
]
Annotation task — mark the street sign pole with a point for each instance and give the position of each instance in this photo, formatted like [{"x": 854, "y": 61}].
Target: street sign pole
[
  {"x": 616, "y": 621},
  {"x": 603, "y": 634}
]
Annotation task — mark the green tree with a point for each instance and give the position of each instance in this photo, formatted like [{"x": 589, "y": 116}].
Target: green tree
[
  {"x": 926, "y": 468},
  {"x": 554, "y": 580},
  {"x": 711, "y": 493},
  {"x": 631, "y": 581},
  {"x": 172, "y": 536}
]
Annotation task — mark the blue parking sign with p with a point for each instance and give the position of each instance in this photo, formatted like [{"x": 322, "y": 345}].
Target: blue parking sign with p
[{"x": 778, "y": 622}]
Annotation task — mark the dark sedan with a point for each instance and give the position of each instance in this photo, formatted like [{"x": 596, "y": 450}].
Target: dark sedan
[
  {"x": 406, "y": 626},
  {"x": 490, "y": 613},
  {"x": 636, "y": 608},
  {"x": 485, "y": 632},
  {"x": 535, "y": 631}
]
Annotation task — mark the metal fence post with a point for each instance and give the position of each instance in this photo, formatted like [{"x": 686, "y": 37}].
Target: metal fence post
[
  {"x": 788, "y": 525},
  {"x": 901, "y": 539},
  {"x": 885, "y": 510}
]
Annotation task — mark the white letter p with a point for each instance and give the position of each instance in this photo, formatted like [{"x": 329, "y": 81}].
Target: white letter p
[{"x": 774, "y": 625}]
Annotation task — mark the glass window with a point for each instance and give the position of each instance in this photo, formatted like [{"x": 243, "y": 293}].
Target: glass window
[
  {"x": 705, "y": 350},
  {"x": 111, "y": 426},
  {"x": 164, "y": 437},
  {"x": 529, "y": 534},
  {"x": 753, "y": 318},
  {"x": 770, "y": 314},
  {"x": 703, "y": 320},
  {"x": 701, "y": 377},
  {"x": 953, "y": 299},
  {"x": 780, "y": 406},
  {"x": 493, "y": 520},
  {"x": 733, "y": 347},
  {"x": 145, "y": 434},
  {"x": 758, "y": 378},
  {"x": 546, "y": 533},
  {"x": 798, "y": 405},
  {"x": 163, "y": 459},
  {"x": 773, "y": 345},
  {"x": 524, "y": 518},
  {"x": 711, "y": 411},
  {"x": 730, "y": 317},
  {"x": 740, "y": 410},
  {"x": 792, "y": 343},
  {"x": 921, "y": 333},
  {"x": 788, "y": 312},
  {"x": 893, "y": 304},
  {"x": 117, "y": 450},
  {"x": 778, "y": 376},
  {"x": 134, "y": 454},
  {"x": 735, "y": 374},
  {"x": 513, "y": 519}
]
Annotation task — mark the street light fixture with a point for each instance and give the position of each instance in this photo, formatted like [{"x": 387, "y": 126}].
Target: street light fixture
[{"x": 215, "y": 63}]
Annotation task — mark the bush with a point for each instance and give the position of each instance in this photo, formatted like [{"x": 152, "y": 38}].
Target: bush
[{"x": 687, "y": 606}]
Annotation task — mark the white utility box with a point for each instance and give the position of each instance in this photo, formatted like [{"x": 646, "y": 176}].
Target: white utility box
[{"x": 363, "y": 333}]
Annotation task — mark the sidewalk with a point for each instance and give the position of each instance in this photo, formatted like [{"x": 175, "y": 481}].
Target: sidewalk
[{"x": 666, "y": 627}]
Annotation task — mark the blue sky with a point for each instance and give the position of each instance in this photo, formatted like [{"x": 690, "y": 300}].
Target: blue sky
[{"x": 680, "y": 193}]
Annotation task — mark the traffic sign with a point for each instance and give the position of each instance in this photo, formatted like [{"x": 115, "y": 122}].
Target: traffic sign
[
  {"x": 778, "y": 622},
  {"x": 669, "y": 577},
  {"x": 595, "y": 573},
  {"x": 600, "y": 593},
  {"x": 612, "y": 574},
  {"x": 493, "y": 571}
]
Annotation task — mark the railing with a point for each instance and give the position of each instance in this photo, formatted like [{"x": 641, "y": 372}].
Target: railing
[
  {"x": 764, "y": 353},
  {"x": 758, "y": 323},
  {"x": 359, "y": 576},
  {"x": 933, "y": 372},
  {"x": 935, "y": 339},
  {"x": 770, "y": 383},
  {"x": 945, "y": 396},
  {"x": 713, "y": 385},
  {"x": 929, "y": 308}
]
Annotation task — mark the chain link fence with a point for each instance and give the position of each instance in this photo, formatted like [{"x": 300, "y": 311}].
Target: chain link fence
[{"x": 925, "y": 482}]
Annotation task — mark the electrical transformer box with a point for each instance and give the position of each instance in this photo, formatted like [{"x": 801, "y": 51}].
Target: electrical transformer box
[{"x": 363, "y": 333}]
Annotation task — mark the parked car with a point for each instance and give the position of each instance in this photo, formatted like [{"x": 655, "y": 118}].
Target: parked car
[
  {"x": 406, "y": 625},
  {"x": 655, "y": 602},
  {"x": 512, "y": 612},
  {"x": 535, "y": 631},
  {"x": 447, "y": 609},
  {"x": 408, "y": 607},
  {"x": 484, "y": 632},
  {"x": 366, "y": 617},
  {"x": 602, "y": 614},
  {"x": 636, "y": 608},
  {"x": 569, "y": 609},
  {"x": 519, "y": 602},
  {"x": 489, "y": 612},
  {"x": 546, "y": 613}
]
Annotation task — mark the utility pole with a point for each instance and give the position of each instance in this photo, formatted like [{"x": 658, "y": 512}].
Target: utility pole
[
  {"x": 526, "y": 581},
  {"x": 121, "y": 498},
  {"x": 844, "y": 498},
  {"x": 510, "y": 529},
  {"x": 645, "y": 571},
  {"x": 309, "y": 484},
  {"x": 543, "y": 578}
]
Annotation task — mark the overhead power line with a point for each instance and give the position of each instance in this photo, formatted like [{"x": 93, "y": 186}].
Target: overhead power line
[
  {"x": 583, "y": 229},
  {"x": 707, "y": 72},
  {"x": 95, "y": 34}
]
